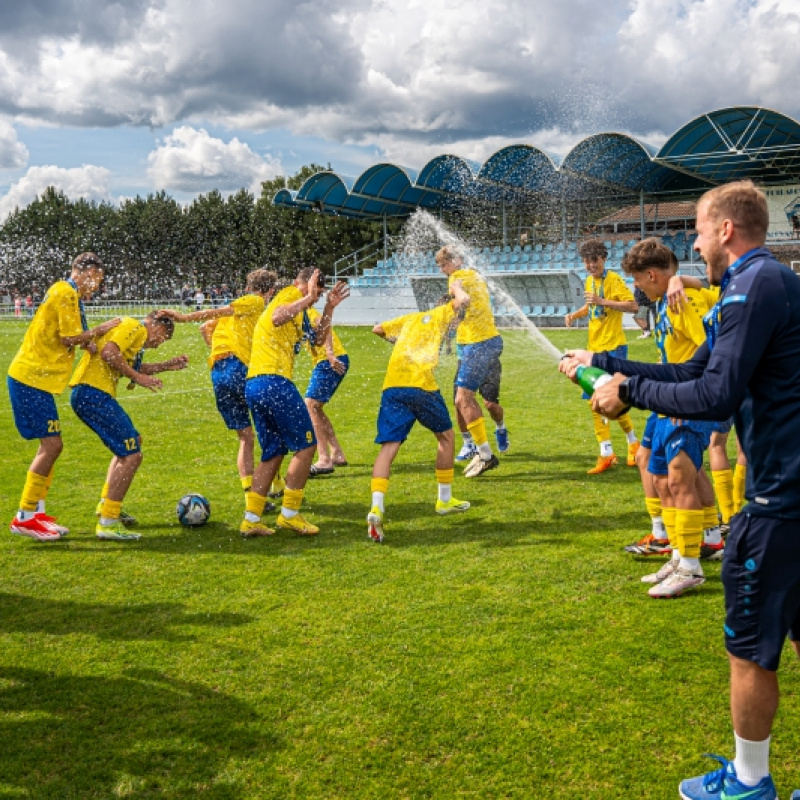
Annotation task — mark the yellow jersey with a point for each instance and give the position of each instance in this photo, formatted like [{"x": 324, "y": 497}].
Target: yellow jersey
[
  {"x": 130, "y": 336},
  {"x": 478, "y": 323},
  {"x": 274, "y": 348},
  {"x": 418, "y": 338},
  {"x": 317, "y": 351},
  {"x": 42, "y": 360},
  {"x": 233, "y": 336},
  {"x": 605, "y": 324},
  {"x": 678, "y": 334}
]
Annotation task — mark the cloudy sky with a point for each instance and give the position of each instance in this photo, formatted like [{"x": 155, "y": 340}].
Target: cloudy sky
[{"x": 112, "y": 99}]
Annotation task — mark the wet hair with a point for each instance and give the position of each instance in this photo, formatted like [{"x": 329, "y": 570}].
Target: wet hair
[
  {"x": 593, "y": 249},
  {"x": 447, "y": 254},
  {"x": 261, "y": 280},
  {"x": 744, "y": 204},
  {"x": 649, "y": 254},
  {"x": 87, "y": 261},
  {"x": 306, "y": 272},
  {"x": 443, "y": 300},
  {"x": 165, "y": 322}
]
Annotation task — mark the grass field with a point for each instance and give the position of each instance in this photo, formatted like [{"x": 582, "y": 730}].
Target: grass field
[{"x": 510, "y": 652}]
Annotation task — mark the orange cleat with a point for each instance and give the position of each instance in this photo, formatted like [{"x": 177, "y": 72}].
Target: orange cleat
[
  {"x": 633, "y": 449},
  {"x": 603, "y": 463}
]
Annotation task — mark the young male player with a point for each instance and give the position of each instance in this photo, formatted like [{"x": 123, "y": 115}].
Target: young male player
[
  {"x": 228, "y": 330},
  {"x": 607, "y": 298},
  {"x": 40, "y": 370},
  {"x": 279, "y": 414},
  {"x": 94, "y": 400},
  {"x": 331, "y": 364},
  {"x": 481, "y": 346},
  {"x": 410, "y": 394}
]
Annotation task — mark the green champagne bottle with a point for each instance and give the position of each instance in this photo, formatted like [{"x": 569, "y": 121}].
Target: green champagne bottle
[{"x": 589, "y": 378}]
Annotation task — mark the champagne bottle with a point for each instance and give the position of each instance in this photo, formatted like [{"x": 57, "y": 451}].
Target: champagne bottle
[{"x": 589, "y": 378}]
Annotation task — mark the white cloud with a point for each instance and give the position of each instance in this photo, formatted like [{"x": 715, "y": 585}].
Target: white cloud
[
  {"x": 13, "y": 153},
  {"x": 191, "y": 160},
  {"x": 88, "y": 182}
]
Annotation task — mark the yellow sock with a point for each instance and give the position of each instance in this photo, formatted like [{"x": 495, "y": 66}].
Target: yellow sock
[
  {"x": 668, "y": 514},
  {"x": 653, "y": 506},
  {"x": 710, "y": 518},
  {"x": 254, "y": 504},
  {"x": 247, "y": 482},
  {"x": 293, "y": 498},
  {"x": 602, "y": 430},
  {"x": 478, "y": 431},
  {"x": 104, "y": 492},
  {"x": 739, "y": 476},
  {"x": 723, "y": 489},
  {"x": 626, "y": 423},
  {"x": 32, "y": 491},
  {"x": 689, "y": 531},
  {"x": 444, "y": 475},
  {"x": 47, "y": 484},
  {"x": 379, "y": 485},
  {"x": 111, "y": 508}
]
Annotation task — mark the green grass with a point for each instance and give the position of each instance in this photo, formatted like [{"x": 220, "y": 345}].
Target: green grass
[{"x": 507, "y": 652}]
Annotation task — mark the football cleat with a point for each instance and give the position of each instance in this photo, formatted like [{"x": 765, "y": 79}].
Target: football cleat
[
  {"x": 34, "y": 528},
  {"x": 676, "y": 584},
  {"x": 724, "y": 529},
  {"x": 466, "y": 453},
  {"x": 649, "y": 545},
  {"x": 277, "y": 487},
  {"x": 298, "y": 524},
  {"x": 724, "y": 783},
  {"x": 128, "y": 520},
  {"x": 452, "y": 506},
  {"x": 115, "y": 533},
  {"x": 478, "y": 465},
  {"x": 712, "y": 552},
  {"x": 633, "y": 449},
  {"x": 250, "y": 530},
  {"x": 375, "y": 524},
  {"x": 662, "y": 574},
  {"x": 502, "y": 440},
  {"x": 61, "y": 530},
  {"x": 603, "y": 463}
]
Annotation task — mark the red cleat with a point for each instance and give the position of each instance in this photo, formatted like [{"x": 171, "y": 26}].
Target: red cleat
[{"x": 35, "y": 528}]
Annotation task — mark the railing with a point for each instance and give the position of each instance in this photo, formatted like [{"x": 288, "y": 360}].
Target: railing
[
  {"x": 108, "y": 309},
  {"x": 348, "y": 266}
]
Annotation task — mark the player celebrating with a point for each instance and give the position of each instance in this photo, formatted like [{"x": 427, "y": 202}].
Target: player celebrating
[
  {"x": 481, "y": 347},
  {"x": 607, "y": 298},
  {"x": 228, "y": 330},
  {"x": 40, "y": 370},
  {"x": 409, "y": 394},
  {"x": 280, "y": 416},
  {"x": 119, "y": 352}
]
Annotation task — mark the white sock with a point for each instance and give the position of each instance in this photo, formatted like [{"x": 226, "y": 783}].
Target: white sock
[
  {"x": 106, "y": 521},
  {"x": 501, "y": 426},
  {"x": 24, "y": 516},
  {"x": 712, "y": 535},
  {"x": 288, "y": 513},
  {"x": 251, "y": 517},
  {"x": 467, "y": 437},
  {"x": 485, "y": 450},
  {"x": 752, "y": 760},
  {"x": 691, "y": 565},
  {"x": 676, "y": 555},
  {"x": 631, "y": 437},
  {"x": 445, "y": 492},
  {"x": 659, "y": 531},
  {"x": 606, "y": 449},
  {"x": 377, "y": 500},
  {"x": 40, "y": 507}
]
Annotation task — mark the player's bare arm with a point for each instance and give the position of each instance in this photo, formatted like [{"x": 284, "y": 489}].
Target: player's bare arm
[
  {"x": 86, "y": 337},
  {"x": 171, "y": 365},
  {"x": 112, "y": 355}
]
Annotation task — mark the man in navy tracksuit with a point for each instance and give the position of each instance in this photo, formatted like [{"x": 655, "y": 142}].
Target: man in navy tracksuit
[{"x": 749, "y": 368}]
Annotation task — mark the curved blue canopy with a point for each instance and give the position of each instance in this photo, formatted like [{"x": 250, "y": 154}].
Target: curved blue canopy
[{"x": 523, "y": 167}]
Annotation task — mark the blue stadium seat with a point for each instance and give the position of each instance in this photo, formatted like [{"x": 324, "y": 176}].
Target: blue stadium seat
[
  {"x": 550, "y": 311},
  {"x": 526, "y": 310},
  {"x": 562, "y": 311},
  {"x": 537, "y": 311},
  {"x": 527, "y": 248}
]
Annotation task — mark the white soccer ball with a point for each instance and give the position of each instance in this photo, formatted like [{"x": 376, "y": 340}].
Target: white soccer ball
[{"x": 193, "y": 510}]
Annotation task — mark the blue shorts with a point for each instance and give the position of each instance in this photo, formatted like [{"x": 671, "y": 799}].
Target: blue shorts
[
  {"x": 325, "y": 380},
  {"x": 280, "y": 416},
  {"x": 690, "y": 437},
  {"x": 477, "y": 362},
  {"x": 617, "y": 352},
  {"x": 722, "y": 427},
  {"x": 34, "y": 410},
  {"x": 229, "y": 375},
  {"x": 105, "y": 416},
  {"x": 761, "y": 576},
  {"x": 649, "y": 431},
  {"x": 401, "y": 407}
]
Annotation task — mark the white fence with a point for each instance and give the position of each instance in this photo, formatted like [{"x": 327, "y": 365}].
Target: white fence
[{"x": 106, "y": 310}]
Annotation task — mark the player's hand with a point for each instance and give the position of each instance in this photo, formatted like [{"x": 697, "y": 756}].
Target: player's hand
[
  {"x": 149, "y": 382},
  {"x": 337, "y": 366},
  {"x": 573, "y": 359},
  {"x": 179, "y": 362},
  {"x": 594, "y": 299},
  {"x": 605, "y": 399},
  {"x": 105, "y": 327},
  {"x": 175, "y": 316},
  {"x": 676, "y": 294},
  {"x": 568, "y": 320},
  {"x": 90, "y": 347},
  {"x": 314, "y": 288},
  {"x": 339, "y": 293}
]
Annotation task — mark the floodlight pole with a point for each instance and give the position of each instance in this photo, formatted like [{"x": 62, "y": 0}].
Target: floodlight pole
[{"x": 505, "y": 229}]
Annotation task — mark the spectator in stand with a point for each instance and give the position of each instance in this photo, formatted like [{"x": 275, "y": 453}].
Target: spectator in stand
[
  {"x": 29, "y": 305},
  {"x": 187, "y": 296},
  {"x": 199, "y": 299},
  {"x": 17, "y": 306}
]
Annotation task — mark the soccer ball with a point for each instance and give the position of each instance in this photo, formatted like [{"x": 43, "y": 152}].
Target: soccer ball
[{"x": 193, "y": 510}]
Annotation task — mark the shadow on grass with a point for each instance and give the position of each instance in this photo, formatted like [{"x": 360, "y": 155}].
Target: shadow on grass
[
  {"x": 137, "y": 735},
  {"x": 148, "y": 621}
]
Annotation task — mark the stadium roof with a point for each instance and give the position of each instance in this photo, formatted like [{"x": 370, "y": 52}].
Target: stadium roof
[{"x": 722, "y": 145}]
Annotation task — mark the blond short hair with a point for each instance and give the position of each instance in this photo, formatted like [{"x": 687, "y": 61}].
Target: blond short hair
[{"x": 744, "y": 204}]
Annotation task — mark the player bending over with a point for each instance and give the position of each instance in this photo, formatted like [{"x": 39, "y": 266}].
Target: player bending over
[
  {"x": 40, "y": 370},
  {"x": 94, "y": 401},
  {"x": 410, "y": 394}
]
